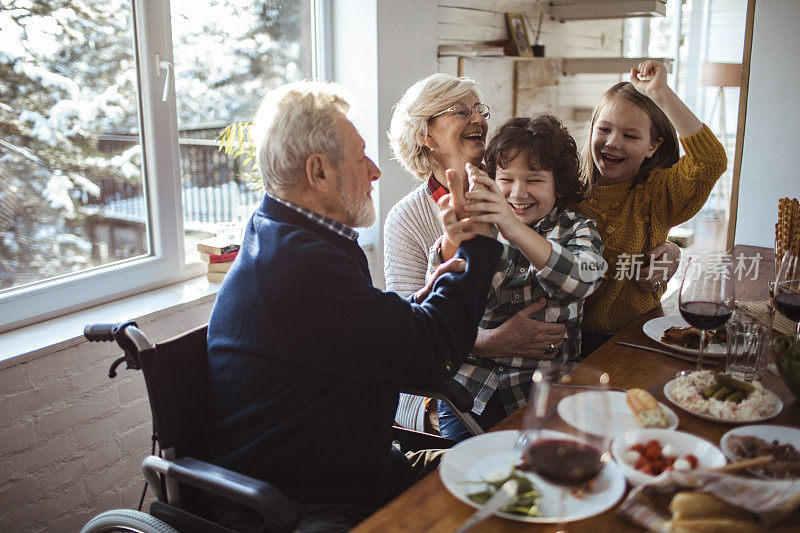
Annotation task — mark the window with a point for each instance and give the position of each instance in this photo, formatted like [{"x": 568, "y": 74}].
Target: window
[{"x": 109, "y": 177}]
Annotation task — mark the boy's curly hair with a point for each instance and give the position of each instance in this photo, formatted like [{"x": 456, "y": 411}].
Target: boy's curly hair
[{"x": 547, "y": 145}]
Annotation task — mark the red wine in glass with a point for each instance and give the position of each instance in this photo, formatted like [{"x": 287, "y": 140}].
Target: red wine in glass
[
  {"x": 563, "y": 462},
  {"x": 705, "y": 315},
  {"x": 787, "y": 288},
  {"x": 707, "y": 295}
]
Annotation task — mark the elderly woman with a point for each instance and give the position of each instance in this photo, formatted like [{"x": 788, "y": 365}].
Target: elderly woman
[{"x": 440, "y": 124}]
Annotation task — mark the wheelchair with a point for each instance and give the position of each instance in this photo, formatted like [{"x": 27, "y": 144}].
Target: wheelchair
[{"x": 184, "y": 484}]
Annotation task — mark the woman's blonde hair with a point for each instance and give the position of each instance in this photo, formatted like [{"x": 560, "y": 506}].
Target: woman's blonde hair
[
  {"x": 666, "y": 155},
  {"x": 412, "y": 112}
]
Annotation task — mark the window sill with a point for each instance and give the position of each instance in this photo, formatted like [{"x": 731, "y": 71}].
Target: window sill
[
  {"x": 37, "y": 340},
  {"x": 43, "y": 338}
]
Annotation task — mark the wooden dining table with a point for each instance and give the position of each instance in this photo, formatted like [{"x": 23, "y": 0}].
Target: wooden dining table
[{"x": 428, "y": 506}]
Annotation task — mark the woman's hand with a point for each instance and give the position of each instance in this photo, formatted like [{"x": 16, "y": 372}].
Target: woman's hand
[
  {"x": 521, "y": 336},
  {"x": 664, "y": 261},
  {"x": 455, "y": 264},
  {"x": 650, "y": 78}
]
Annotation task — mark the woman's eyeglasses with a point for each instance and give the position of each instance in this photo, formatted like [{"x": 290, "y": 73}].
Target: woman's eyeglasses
[{"x": 464, "y": 111}]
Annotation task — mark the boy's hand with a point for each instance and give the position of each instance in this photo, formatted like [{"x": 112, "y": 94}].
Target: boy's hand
[
  {"x": 649, "y": 78},
  {"x": 487, "y": 204}
]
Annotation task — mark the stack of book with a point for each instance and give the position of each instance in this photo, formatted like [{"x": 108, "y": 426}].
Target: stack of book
[{"x": 218, "y": 254}]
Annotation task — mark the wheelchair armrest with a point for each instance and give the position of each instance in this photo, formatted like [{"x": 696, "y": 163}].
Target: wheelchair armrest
[
  {"x": 264, "y": 498},
  {"x": 450, "y": 390},
  {"x": 454, "y": 394}
]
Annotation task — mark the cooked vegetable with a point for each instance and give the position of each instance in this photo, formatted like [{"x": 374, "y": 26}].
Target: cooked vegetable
[
  {"x": 736, "y": 396},
  {"x": 722, "y": 393},
  {"x": 525, "y": 504},
  {"x": 711, "y": 390},
  {"x": 734, "y": 383}
]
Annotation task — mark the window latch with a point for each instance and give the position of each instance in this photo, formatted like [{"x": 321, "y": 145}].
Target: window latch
[{"x": 170, "y": 68}]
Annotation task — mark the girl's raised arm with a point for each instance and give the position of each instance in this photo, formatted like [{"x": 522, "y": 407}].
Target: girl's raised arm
[{"x": 650, "y": 79}]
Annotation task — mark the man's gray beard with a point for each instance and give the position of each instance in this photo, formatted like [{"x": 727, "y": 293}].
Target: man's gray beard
[{"x": 361, "y": 212}]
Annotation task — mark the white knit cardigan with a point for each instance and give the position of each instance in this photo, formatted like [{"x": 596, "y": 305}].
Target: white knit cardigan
[{"x": 412, "y": 226}]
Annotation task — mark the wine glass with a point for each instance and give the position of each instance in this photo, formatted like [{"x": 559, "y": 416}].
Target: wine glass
[
  {"x": 707, "y": 296},
  {"x": 787, "y": 288},
  {"x": 566, "y": 460}
]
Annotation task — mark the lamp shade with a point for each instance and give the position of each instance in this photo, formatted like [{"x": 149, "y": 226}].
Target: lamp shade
[{"x": 721, "y": 75}]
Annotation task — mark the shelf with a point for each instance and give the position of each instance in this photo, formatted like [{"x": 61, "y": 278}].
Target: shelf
[
  {"x": 579, "y": 65},
  {"x": 606, "y": 65},
  {"x": 565, "y": 10}
]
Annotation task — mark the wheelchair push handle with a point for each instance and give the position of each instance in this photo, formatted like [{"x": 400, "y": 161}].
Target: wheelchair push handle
[
  {"x": 127, "y": 335},
  {"x": 99, "y": 332}
]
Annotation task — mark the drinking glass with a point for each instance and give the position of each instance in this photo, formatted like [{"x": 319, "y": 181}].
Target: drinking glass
[
  {"x": 566, "y": 460},
  {"x": 707, "y": 296},
  {"x": 747, "y": 343},
  {"x": 787, "y": 288}
]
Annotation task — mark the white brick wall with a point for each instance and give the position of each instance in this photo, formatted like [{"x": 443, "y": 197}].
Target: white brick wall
[{"x": 71, "y": 439}]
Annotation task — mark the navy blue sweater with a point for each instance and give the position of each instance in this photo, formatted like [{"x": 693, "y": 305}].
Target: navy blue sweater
[{"x": 305, "y": 356}]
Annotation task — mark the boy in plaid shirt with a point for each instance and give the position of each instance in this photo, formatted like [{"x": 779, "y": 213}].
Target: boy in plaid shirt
[{"x": 533, "y": 172}]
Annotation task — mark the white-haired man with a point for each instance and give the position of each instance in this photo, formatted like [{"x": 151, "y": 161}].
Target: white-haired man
[{"x": 305, "y": 354}]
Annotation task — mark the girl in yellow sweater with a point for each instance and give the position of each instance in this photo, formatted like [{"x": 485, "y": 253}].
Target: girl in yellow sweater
[{"x": 640, "y": 188}]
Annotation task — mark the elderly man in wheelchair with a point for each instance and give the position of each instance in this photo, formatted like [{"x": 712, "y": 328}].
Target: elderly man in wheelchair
[{"x": 305, "y": 357}]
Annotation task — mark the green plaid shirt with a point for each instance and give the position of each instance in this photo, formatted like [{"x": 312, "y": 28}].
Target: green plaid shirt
[{"x": 516, "y": 284}]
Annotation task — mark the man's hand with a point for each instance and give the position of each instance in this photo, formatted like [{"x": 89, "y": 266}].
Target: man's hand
[
  {"x": 521, "y": 336},
  {"x": 457, "y": 226},
  {"x": 455, "y": 264},
  {"x": 457, "y": 184},
  {"x": 664, "y": 261}
]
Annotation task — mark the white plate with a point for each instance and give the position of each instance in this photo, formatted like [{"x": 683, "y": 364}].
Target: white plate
[
  {"x": 493, "y": 454},
  {"x": 582, "y": 411},
  {"x": 708, "y": 455},
  {"x": 779, "y": 406},
  {"x": 784, "y": 435},
  {"x": 656, "y": 327}
]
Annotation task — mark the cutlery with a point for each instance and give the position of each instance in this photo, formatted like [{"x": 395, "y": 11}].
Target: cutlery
[
  {"x": 498, "y": 500},
  {"x": 589, "y": 387},
  {"x": 664, "y": 352}
]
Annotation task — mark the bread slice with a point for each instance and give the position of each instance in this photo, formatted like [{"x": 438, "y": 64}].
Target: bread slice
[{"x": 646, "y": 409}]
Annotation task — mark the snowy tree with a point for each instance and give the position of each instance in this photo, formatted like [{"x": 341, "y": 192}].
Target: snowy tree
[{"x": 68, "y": 77}]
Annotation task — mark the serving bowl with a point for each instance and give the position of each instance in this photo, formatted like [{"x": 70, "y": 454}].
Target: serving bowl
[{"x": 708, "y": 455}]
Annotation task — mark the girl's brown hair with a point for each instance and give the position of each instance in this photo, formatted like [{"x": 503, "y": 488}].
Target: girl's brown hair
[
  {"x": 547, "y": 145},
  {"x": 666, "y": 155}
]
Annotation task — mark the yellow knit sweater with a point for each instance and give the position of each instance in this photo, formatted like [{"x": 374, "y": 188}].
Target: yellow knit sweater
[{"x": 633, "y": 220}]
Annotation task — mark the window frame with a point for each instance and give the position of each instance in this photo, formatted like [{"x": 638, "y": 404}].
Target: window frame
[{"x": 165, "y": 265}]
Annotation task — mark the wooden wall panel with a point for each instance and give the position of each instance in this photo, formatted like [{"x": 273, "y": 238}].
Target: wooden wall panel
[{"x": 572, "y": 98}]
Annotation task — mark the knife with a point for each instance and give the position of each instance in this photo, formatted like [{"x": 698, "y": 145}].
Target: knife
[
  {"x": 706, "y": 360},
  {"x": 498, "y": 499}
]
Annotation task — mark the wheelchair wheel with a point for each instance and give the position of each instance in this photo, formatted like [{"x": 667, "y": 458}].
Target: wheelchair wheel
[{"x": 126, "y": 520}]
